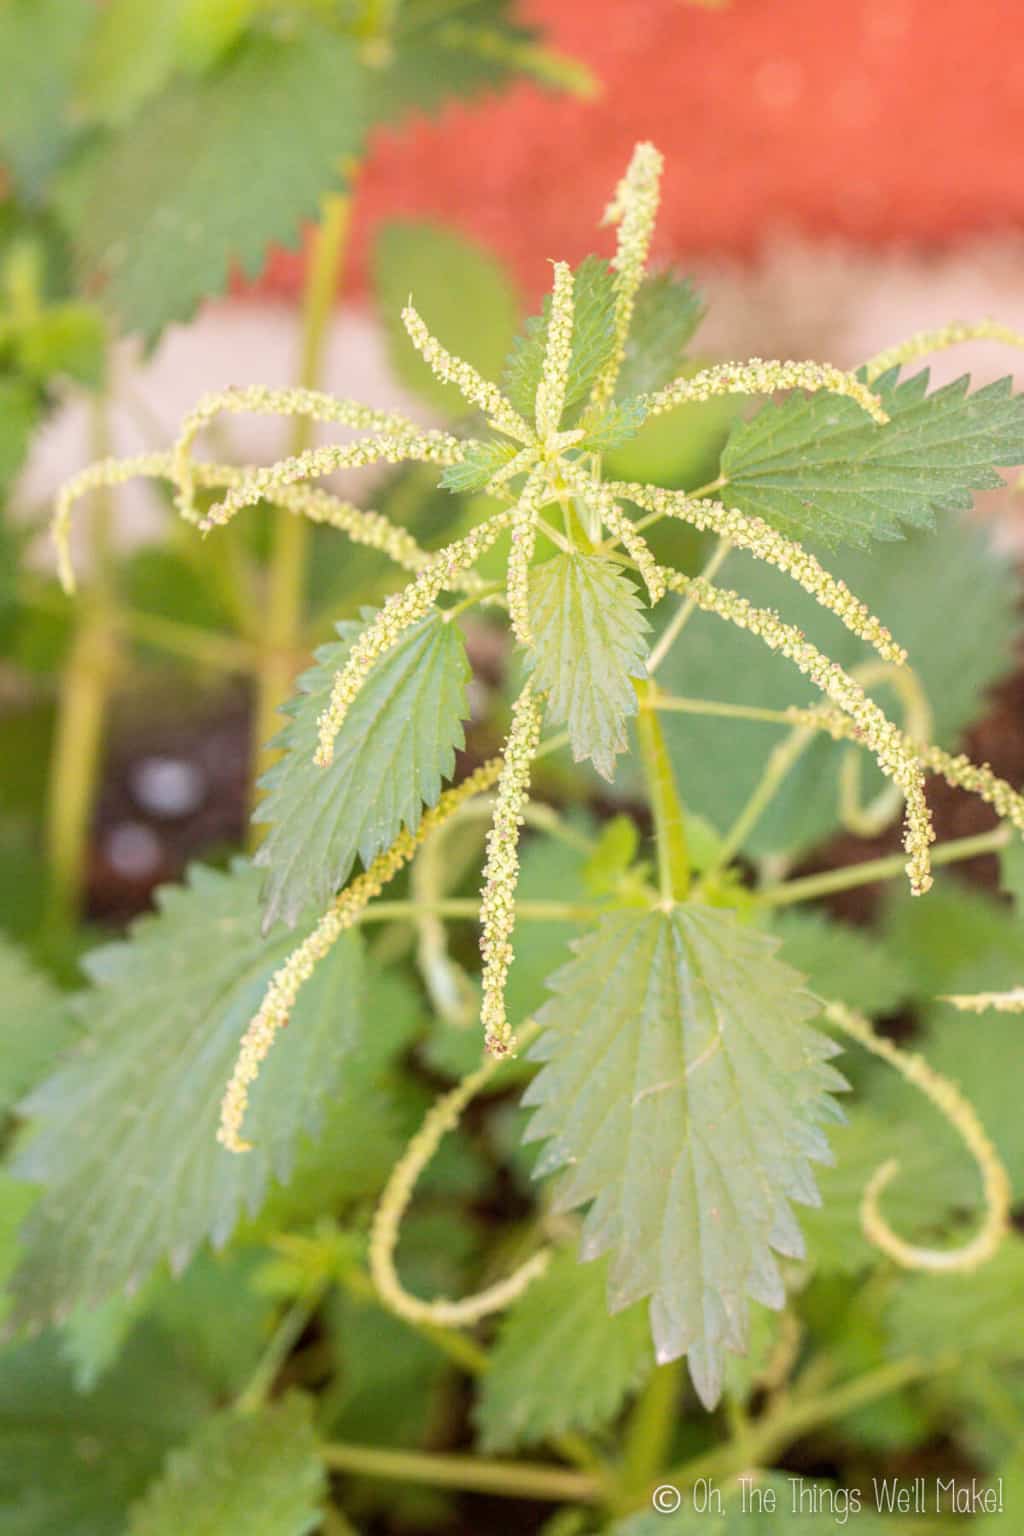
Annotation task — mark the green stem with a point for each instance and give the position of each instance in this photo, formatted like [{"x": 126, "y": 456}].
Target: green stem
[
  {"x": 469, "y": 907},
  {"x": 669, "y": 828},
  {"x": 798, "y": 1415},
  {"x": 82, "y": 707},
  {"x": 282, "y": 1342},
  {"x": 283, "y": 629},
  {"x": 685, "y": 610},
  {"x": 508, "y": 1479},
  {"x": 651, "y": 1423},
  {"x": 670, "y": 703},
  {"x": 780, "y": 761},
  {"x": 808, "y": 887}
]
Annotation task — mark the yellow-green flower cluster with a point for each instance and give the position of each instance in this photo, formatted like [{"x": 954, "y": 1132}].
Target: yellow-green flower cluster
[
  {"x": 982, "y": 1002},
  {"x": 501, "y": 870},
  {"x": 763, "y": 377},
  {"x": 475, "y": 389},
  {"x": 550, "y": 401},
  {"x": 634, "y": 208},
  {"x": 757, "y": 536},
  {"x": 524, "y": 539},
  {"x": 885, "y": 740},
  {"x": 396, "y": 615},
  {"x": 600, "y": 495},
  {"x": 257, "y": 400},
  {"x": 925, "y": 342},
  {"x": 414, "y": 445},
  {"x": 443, "y": 1116},
  {"x": 287, "y": 981}
]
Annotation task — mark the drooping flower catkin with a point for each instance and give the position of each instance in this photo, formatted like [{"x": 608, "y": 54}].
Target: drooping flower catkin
[
  {"x": 767, "y": 544},
  {"x": 886, "y": 741},
  {"x": 345, "y": 911},
  {"x": 396, "y": 615},
  {"x": 761, "y": 376},
  {"x": 501, "y": 870}
]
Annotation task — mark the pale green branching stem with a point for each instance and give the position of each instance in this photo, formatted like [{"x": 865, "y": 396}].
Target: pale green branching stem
[
  {"x": 685, "y": 611},
  {"x": 343, "y": 913}
]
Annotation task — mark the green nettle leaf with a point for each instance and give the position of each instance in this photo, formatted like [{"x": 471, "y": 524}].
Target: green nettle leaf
[
  {"x": 593, "y": 340},
  {"x": 441, "y": 53},
  {"x": 130, "y": 55},
  {"x": 916, "y": 589},
  {"x": 560, "y": 1362},
  {"x": 482, "y": 460},
  {"x": 37, "y": 1024},
  {"x": 668, "y": 310},
  {"x": 589, "y": 643},
  {"x": 19, "y": 412},
  {"x": 72, "y": 1463},
  {"x": 259, "y": 1473},
  {"x": 817, "y": 466},
  {"x": 683, "y": 1095},
  {"x": 124, "y": 1136},
  {"x": 40, "y": 44},
  {"x": 396, "y": 746},
  {"x": 843, "y": 962},
  {"x": 930, "y": 1314},
  {"x": 212, "y": 172},
  {"x": 463, "y": 294},
  {"x": 618, "y": 424},
  {"x": 966, "y": 943}
]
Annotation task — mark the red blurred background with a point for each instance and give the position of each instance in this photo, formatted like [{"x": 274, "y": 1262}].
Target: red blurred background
[{"x": 876, "y": 121}]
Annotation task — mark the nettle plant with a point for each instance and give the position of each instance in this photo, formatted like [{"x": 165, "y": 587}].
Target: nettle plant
[{"x": 686, "y": 1080}]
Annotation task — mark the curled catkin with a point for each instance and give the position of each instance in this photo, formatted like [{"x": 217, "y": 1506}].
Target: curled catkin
[
  {"x": 105, "y": 473},
  {"x": 767, "y": 544},
  {"x": 441, "y": 1312},
  {"x": 761, "y": 376},
  {"x": 344, "y": 913},
  {"x": 397, "y": 614},
  {"x": 960, "y": 1114},
  {"x": 501, "y": 870}
]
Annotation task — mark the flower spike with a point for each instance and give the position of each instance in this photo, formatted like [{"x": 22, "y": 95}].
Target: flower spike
[
  {"x": 260, "y": 401},
  {"x": 398, "y": 613},
  {"x": 524, "y": 539},
  {"x": 475, "y": 390},
  {"x": 762, "y": 377},
  {"x": 634, "y": 209},
  {"x": 501, "y": 871},
  {"x": 757, "y": 536},
  {"x": 425, "y": 447},
  {"x": 924, "y": 342},
  {"x": 286, "y": 983},
  {"x": 894, "y": 756},
  {"x": 550, "y": 401}
]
